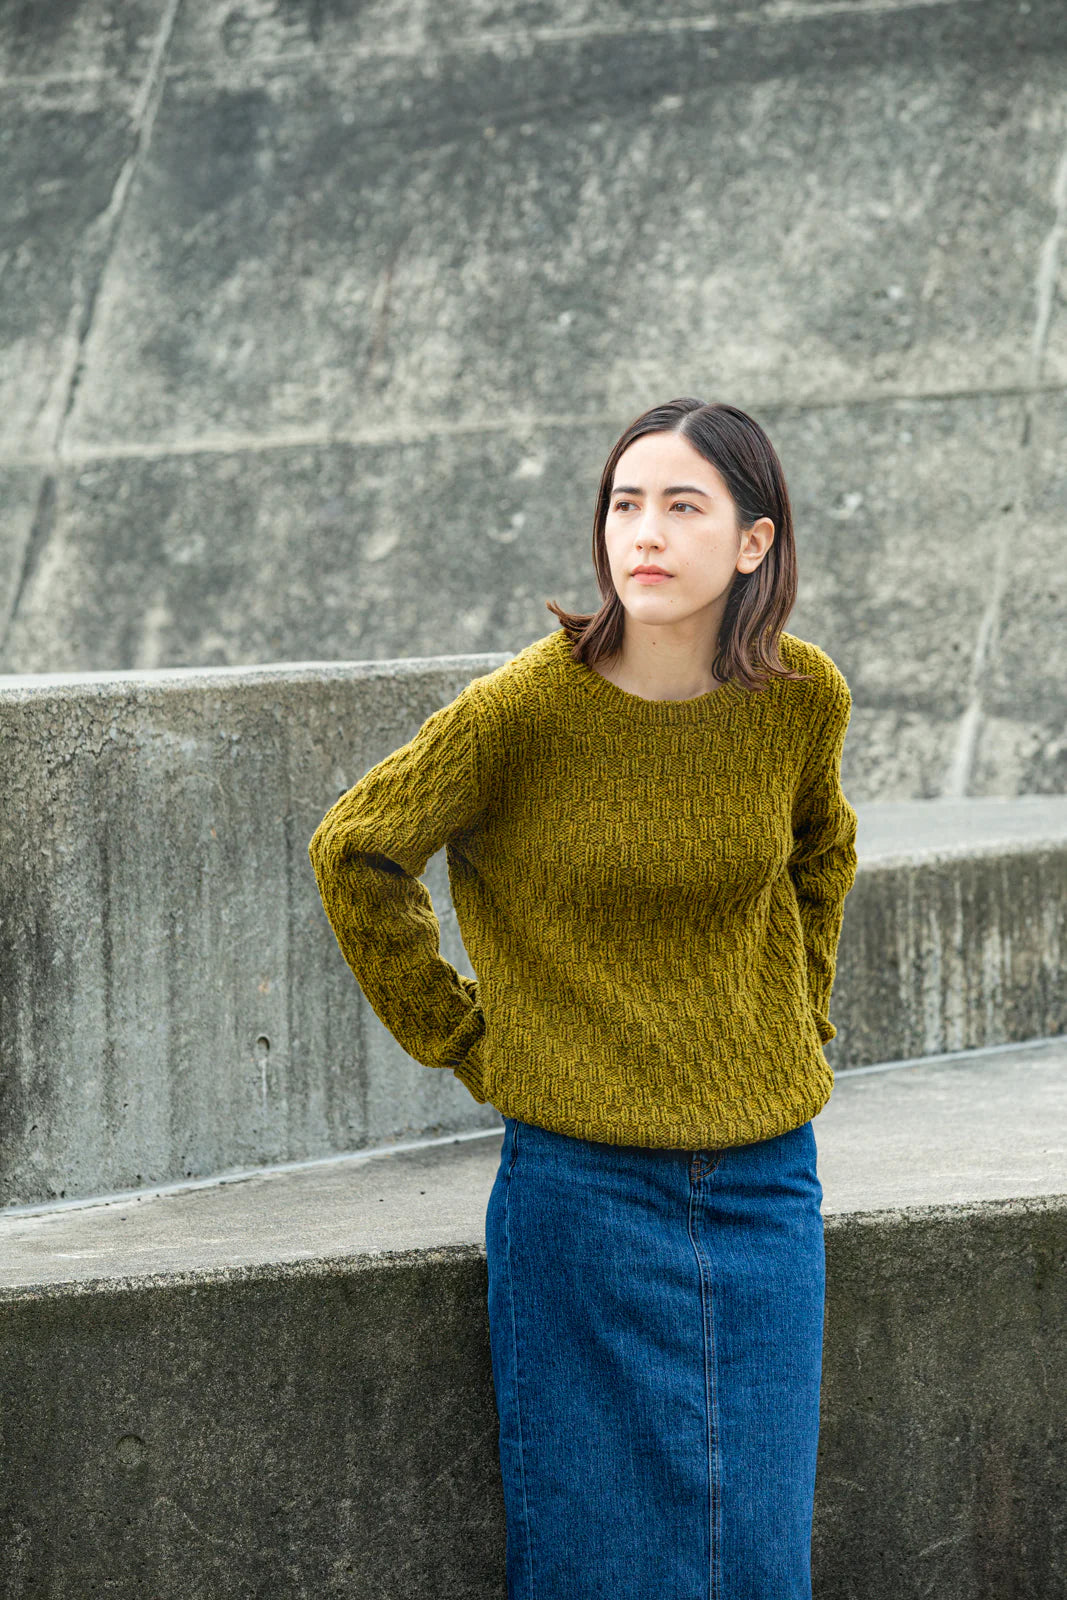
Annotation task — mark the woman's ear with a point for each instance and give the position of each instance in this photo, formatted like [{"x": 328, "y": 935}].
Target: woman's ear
[{"x": 755, "y": 542}]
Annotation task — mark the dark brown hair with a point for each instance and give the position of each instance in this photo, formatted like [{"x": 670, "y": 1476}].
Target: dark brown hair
[{"x": 759, "y": 601}]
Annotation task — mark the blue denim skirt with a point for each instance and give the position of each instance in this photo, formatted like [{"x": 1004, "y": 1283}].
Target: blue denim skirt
[{"x": 656, "y": 1325}]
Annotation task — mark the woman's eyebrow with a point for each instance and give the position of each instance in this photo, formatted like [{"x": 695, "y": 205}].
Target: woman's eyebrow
[{"x": 677, "y": 488}]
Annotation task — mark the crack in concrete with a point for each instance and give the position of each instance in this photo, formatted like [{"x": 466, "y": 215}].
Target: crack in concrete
[
  {"x": 958, "y": 776},
  {"x": 142, "y": 118},
  {"x": 1047, "y": 272},
  {"x": 90, "y": 267},
  {"x": 44, "y": 520},
  {"x": 961, "y": 766},
  {"x": 380, "y": 307}
]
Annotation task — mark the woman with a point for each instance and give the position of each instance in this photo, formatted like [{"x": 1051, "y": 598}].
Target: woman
[{"x": 648, "y": 851}]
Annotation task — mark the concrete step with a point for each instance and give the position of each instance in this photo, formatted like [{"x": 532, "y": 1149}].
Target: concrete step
[
  {"x": 971, "y": 1127},
  {"x": 175, "y": 1004},
  {"x": 952, "y": 935},
  {"x": 279, "y": 1384}
]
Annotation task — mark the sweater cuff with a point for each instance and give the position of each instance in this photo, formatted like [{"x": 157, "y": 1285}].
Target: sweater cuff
[
  {"x": 469, "y": 1073},
  {"x": 463, "y": 1051},
  {"x": 827, "y": 1031}
]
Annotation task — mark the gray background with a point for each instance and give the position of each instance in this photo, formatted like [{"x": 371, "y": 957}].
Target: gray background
[{"x": 317, "y": 322}]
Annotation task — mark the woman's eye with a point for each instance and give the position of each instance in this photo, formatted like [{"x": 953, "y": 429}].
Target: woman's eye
[
  {"x": 686, "y": 504},
  {"x": 619, "y": 504}
]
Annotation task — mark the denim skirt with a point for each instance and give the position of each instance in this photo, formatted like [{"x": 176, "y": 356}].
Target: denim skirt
[{"x": 656, "y": 1325}]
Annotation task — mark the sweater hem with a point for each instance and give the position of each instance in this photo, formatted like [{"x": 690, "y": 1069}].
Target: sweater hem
[{"x": 678, "y": 1132}]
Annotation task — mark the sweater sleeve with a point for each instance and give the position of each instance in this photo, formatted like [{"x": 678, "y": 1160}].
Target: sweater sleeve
[
  {"x": 368, "y": 853},
  {"x": 822, "y": 863}
]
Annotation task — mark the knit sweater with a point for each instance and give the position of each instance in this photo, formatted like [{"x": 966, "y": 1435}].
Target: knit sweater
[{"x": 650, "y": 893}]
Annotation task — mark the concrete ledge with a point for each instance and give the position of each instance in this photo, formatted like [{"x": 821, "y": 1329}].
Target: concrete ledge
[
  {"x": 978, "y": 1127},
  {"x": 952, "y": 932},
  {"x": 175, "y": 1002},
  {"x": 282, "y": 1383}
]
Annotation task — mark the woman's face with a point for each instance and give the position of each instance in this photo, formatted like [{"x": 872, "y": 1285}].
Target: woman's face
[{"x": 671, "y": 508}]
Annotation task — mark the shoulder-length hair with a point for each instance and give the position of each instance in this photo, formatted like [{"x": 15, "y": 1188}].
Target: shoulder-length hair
[{"x": 759, "y": 601}]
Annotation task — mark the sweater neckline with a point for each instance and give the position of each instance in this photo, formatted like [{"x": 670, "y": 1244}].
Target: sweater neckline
[{"x": 698, "y": 708}]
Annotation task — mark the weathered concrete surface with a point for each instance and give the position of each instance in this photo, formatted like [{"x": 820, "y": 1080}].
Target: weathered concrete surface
[
  {"x": 318, "y": 323},
  {"x": 970, "y": 1128},
  {"x": 283, "y": 1385},
  {"x": 953, "y": 933},
  {"x": 309, "y": 1433},
  {"x": 172, "y": 999},
  {"x": 920, "y": 831}
]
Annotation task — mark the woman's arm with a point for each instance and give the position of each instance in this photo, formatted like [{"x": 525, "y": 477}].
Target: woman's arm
[
  {"x": 368, "y": 853},
  {"x": 823, "y": 860}
]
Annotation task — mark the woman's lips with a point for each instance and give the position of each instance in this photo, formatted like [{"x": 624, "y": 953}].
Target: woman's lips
[{"x": 651, "y": 577}]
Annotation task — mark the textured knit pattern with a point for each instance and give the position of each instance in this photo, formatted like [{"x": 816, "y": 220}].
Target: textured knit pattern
[{"x": 650, "y": 892}]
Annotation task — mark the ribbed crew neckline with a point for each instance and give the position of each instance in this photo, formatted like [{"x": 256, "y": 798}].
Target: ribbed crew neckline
[{"x": 698, "y": 708}]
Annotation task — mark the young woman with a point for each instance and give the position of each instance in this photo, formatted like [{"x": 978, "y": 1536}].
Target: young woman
[{"x": 648, "y": 849}]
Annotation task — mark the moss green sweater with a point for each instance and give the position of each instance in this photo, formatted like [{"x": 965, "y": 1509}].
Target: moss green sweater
[{"x": 650, "y": 892}]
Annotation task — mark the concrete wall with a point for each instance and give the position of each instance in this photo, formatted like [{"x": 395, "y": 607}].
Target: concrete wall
[
  {"x": 174, "y": 999},
  {"x": 318, "y": 321},
  {"x": 256, "y": 1434},
  {"x": 173, "y": 1002},
  {"x": 328, "y": 1428}
]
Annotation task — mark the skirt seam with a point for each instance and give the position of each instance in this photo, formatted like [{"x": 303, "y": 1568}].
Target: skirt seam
[{"x": 710, "y": 1397}]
